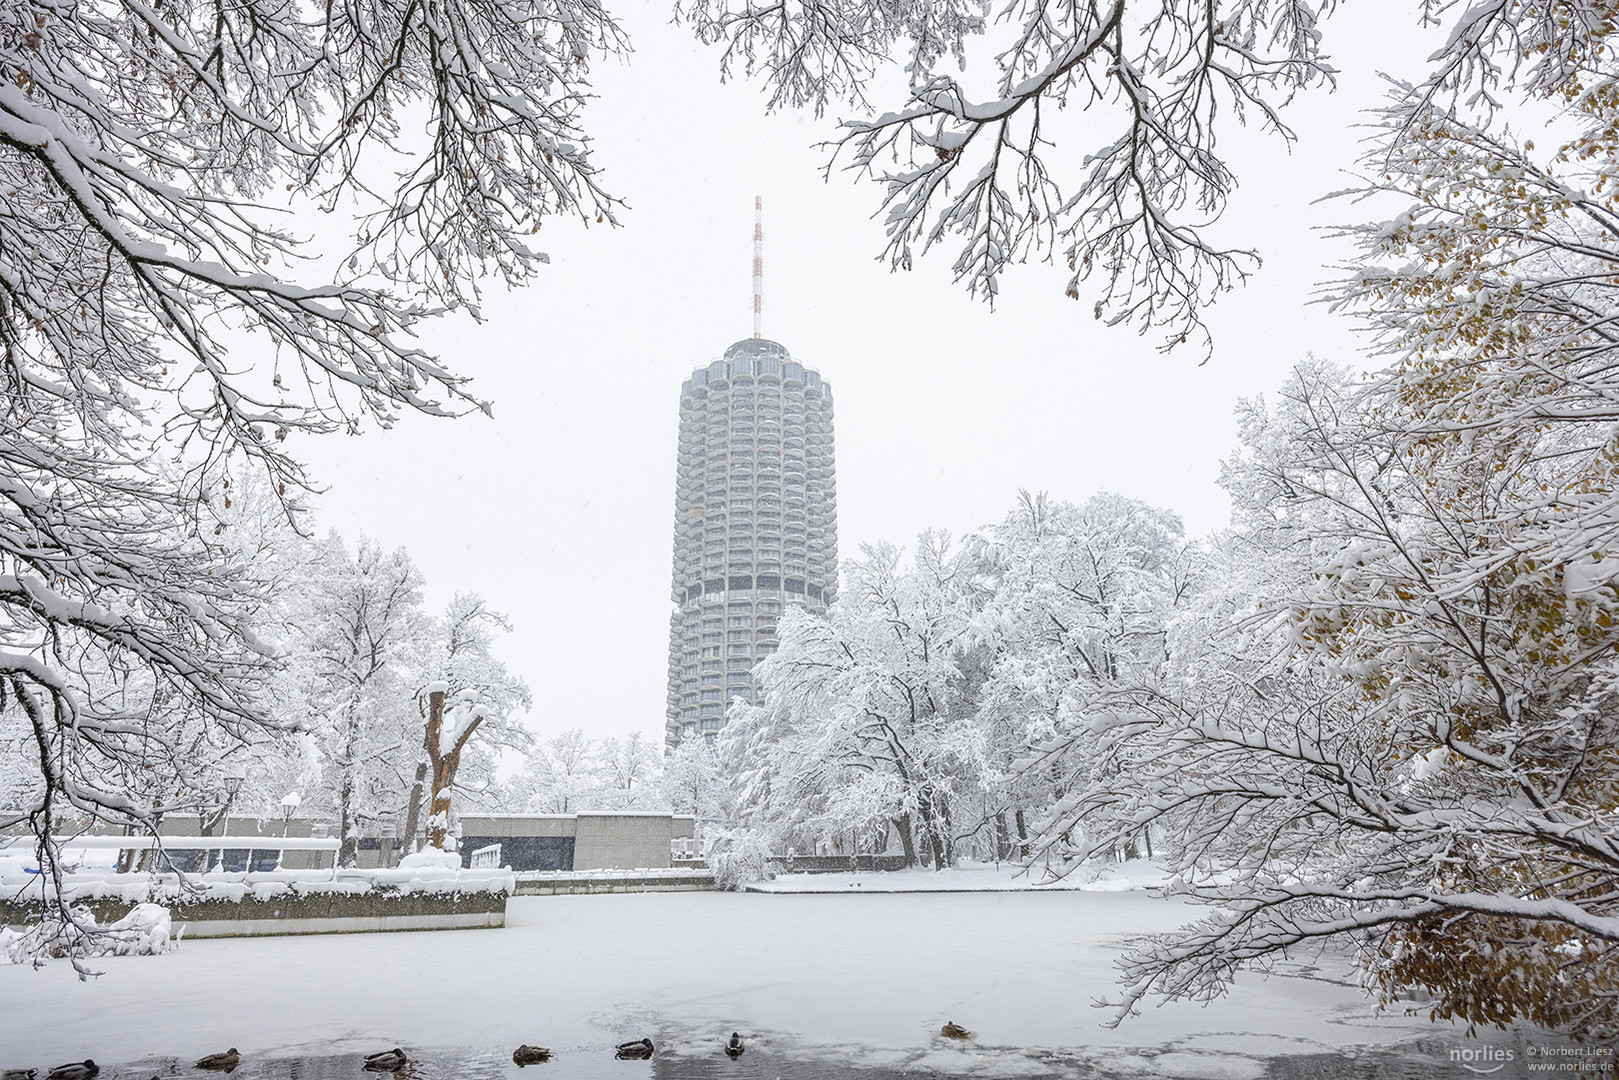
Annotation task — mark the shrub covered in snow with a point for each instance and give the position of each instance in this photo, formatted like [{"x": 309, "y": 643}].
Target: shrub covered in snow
[
  {"x": 143, "y": 932},
  {"x": 431, "y": 858},
  {"x": 738, "y": 857}
]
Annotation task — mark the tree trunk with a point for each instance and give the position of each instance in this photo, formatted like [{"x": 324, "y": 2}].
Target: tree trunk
[
  {"x": 1003, "y": 838},
  {"x": 206, "y": 827},
  {"x": 1022, "y": 835},
  {"x": 935, "y": 828},
  {"x": 438, "y": 809},
  {"x": 907, "y": 842},
  {"x": 443, "y": 762},
  {"x": 947, "y": 835},
  {"x": 413, "y": 816},
  {"x": 129, "y": 859},
  {"x": 348, "y": 853},
  {"x": 930, "y": 831}
]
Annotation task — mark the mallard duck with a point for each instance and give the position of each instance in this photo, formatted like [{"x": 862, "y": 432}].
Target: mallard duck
[
  {"x": 19, "y": 1074},
  {"x": 953, "y": 1030},
  {"x": 386, "y": 1061},
  {"x": 223, "y": 1062},
  {"x": 74, "y": 1070},
  {"x": 530, "y": 1055},
  {"x": 734, "y": 1048},
  {"x": 640, "y": 1048}
]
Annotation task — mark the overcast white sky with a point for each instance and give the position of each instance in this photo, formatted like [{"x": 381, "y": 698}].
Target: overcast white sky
[{"x": 560, "y": 509}]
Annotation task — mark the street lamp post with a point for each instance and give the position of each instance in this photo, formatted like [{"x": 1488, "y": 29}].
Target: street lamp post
[
  {"x": 233, "y": 784},
  {"x": 289, "y": 806}
]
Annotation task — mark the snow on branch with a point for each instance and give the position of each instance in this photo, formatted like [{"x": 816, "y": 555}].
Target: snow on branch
[{"x": 1136, "y": 90}]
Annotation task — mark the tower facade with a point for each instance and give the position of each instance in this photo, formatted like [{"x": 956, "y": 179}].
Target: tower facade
[{"x": 755, "y": 524}]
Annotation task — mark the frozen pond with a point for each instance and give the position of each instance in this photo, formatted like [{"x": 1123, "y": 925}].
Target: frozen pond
[
  {"x": 1415, "y": 1062},
  {"x": 822, "y": 986}
]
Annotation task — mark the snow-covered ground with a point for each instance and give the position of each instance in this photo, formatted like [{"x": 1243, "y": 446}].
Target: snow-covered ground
[
  {"x": 975, "y": 877},
  {"x": 866, "y": 979}
]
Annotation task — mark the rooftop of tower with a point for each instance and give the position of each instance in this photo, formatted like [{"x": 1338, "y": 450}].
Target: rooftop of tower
[
  {"x": 758, "y": 347},
  {"x": 759, "y": 357}
]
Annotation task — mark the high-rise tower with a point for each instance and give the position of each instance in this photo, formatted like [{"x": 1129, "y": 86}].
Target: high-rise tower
[{"x": 755, "y": 521}]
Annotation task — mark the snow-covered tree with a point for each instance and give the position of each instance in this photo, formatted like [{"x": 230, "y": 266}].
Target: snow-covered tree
[
  {"x": 866, "y": 722},
  {"x": 364, "y": 649},
  {"x": 572, "y": 772},
  {"x": 1410, "y": 746},
  {"x": 1492, "y": 296},
  {"x": 1393, "y": 724},
  {"x": 932, "y": 701},
  {"x": 1082, "y": 600},
  {"x": 694, "y": 782},
  {"x": 474, "y": 694},
  {"x": 148, "y": 155},
  {"x": 559, "y": 776},
  {"x": 631, "y": 774}
]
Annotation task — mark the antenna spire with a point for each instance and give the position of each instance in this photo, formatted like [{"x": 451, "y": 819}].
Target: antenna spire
[{"x": 758, "y": 262}]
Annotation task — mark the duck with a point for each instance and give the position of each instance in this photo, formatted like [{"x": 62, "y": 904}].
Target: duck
[
  {"x": 640, "y": 1048},
  {"x": 530, "y": 1055},
  {"x": 734, "y": 1048},
  {"x": 222, "y": 1062},
  {"x": 74, "y": 1070},
  {"x": 386, "y": 1060},
  {"x": 953, "y": 1030},
  {"x": 19, "y": 1074}
]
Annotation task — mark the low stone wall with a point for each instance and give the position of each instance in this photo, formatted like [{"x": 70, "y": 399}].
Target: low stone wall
[
  {"x": 835, "y": 864},
  {"x": 317, "y": 913},
  {"x": 568, "y": 883},
  {"x": 427, "y": 894}
]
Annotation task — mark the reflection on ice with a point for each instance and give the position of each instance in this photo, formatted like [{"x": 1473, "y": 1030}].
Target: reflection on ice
[{"x": 1427, "y": 1060}]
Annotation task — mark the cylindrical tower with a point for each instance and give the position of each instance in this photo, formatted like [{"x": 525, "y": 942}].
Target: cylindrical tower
[{"x": 755, "y": 524}]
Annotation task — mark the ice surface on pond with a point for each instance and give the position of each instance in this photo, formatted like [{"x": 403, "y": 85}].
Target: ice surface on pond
[
  {"x": 865, "y": 980},
  {"x": 785, "y": 1063}
]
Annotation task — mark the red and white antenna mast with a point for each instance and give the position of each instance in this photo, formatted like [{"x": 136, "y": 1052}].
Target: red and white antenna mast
[{"x": 758, "y": 262}]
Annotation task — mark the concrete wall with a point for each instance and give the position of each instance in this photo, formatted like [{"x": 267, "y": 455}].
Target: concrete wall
[
  {"x": 517, "y": 825},
  {"x": 531, "y": 842},
  {"x": 609, "y": 841},
  {"x": 603, "y": 840}
]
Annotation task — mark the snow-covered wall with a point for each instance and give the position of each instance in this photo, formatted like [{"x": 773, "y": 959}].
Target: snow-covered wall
[{"x": 423, "y": 893}]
